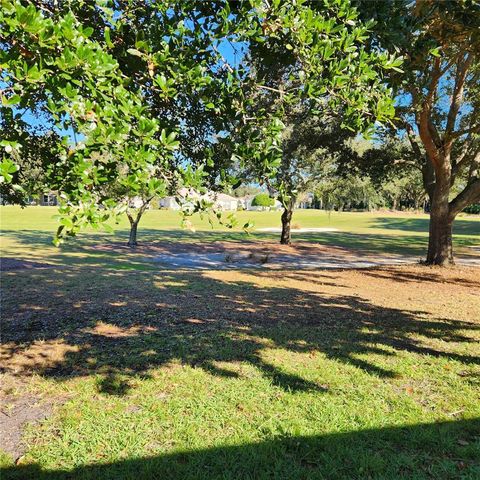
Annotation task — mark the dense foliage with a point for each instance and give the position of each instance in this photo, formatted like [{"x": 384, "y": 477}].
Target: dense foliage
[
  {"x": 129, "y": 90},
  {"x": 111, "y": 104}
]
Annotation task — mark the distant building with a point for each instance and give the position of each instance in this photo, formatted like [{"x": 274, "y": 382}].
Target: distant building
[
  {"x": 245, "y": 202},
  {"x": 305, "y": 201},
  {"x": 48, "y": 199},
  {"x": 221, "y": 201}
]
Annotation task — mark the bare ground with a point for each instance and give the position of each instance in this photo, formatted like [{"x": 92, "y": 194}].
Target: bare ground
[{"x": 15, "y": 413}]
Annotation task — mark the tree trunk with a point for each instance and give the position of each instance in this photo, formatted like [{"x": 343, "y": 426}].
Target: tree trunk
[
  {"x": 134, "y": 221},
  {"x": 286, "y": 239},
  {"x": 440, "y": 251},
  {"x": 132, "y": 239}
]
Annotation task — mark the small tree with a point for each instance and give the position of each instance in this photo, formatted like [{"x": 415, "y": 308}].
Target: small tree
[{"x": 313, "y": 65}]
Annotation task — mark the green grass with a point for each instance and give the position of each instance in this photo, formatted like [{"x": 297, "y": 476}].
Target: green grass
[
  {"x": 240, "y": 375},
  {"x": 28, "y": 233}
]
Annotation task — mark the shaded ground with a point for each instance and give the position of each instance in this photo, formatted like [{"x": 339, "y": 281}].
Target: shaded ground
[
  {"x": 61, "y": 318},
  {"x": 249, "y": 254},
  {"x": 19, "y": 264}
]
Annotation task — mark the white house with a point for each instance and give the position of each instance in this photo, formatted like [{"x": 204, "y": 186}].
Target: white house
[
  {"x": 305, "y": 200},
  {"x": 246, "y": 202},
  {"x": 221, "y": 201}
]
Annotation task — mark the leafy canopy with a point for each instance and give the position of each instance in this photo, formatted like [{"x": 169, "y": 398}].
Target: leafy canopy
[{"x": 129, "y": 90}]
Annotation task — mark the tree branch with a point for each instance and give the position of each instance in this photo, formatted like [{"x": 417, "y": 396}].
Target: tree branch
[
  {"x": 459, "y": 133},
  {"x": 470, "y": 195},
  {"x": 462, "y": 68},
  {"x": 411, "y": 138},
  {"x": 465, "y": 158},
  {"x": 424, "y": 120}
]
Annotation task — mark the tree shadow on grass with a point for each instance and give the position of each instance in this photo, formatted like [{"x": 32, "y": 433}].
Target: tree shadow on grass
[
  {"x": 99, "y": 249},
  {"x": 76, "y": 322},
  {"x": 448, "y": 450},
  {"x": 420, "y": 277},
  {"x": 460, "y": 227}
]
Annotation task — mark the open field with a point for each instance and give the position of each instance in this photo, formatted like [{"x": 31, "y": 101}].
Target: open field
[{"x": 116, "y": 369}]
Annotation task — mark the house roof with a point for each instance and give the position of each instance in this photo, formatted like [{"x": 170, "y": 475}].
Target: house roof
[{"x": 223, "y": 197}]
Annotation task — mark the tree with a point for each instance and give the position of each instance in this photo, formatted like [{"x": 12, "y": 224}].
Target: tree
[
  {"x": 439, "y": 101},
  {"x": 311, "y": 78},
  {"x": 109, "y": 80},
  {"x": 244, "y": 190},
  {"x": 33, "y": 167},
  {"x": 55, "y": 69},
  {"x": 344, "y": 192},
  {"x": 310, "y": 145},
  {"x": 263, "y": 200},
  {"x": 393, "y": 169}
]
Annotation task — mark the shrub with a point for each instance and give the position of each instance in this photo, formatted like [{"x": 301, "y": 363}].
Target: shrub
[
  {"x": 263, "y": 200},
  {"x": 475, "y": 208}
]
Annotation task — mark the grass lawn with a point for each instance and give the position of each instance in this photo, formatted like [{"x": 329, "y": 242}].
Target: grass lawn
[
  {"x": 115, "y": 369},
  {"x": 28, "y": 233}
]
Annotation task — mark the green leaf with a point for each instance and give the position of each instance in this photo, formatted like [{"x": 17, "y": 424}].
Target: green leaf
[
  {"x": 13, "y": 100},
  {"x": 108, "y": 40},
  {"x": 134, "y": 51}
]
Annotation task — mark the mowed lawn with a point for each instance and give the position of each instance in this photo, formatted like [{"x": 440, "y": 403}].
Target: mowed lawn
[
  {"x": 113, "y": 368},
  {"x": 27, "y": 233}
]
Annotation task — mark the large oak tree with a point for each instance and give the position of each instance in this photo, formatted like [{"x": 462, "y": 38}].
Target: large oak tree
[{"x": 438, "y": 101}]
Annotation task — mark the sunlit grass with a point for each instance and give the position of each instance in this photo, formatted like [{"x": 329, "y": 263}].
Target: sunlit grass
[
  {"x": 28, "y": 233},
  {"x": 153, "y": 373}
]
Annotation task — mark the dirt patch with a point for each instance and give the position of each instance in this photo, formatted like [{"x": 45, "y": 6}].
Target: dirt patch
[
  {"x": 19, "y": 264},
  {"x": 39, "y": 354},
  {"x": 271, "y": 255},
  {"x": 156, "y": 248},
  {"x": 15, "y": 414}
]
